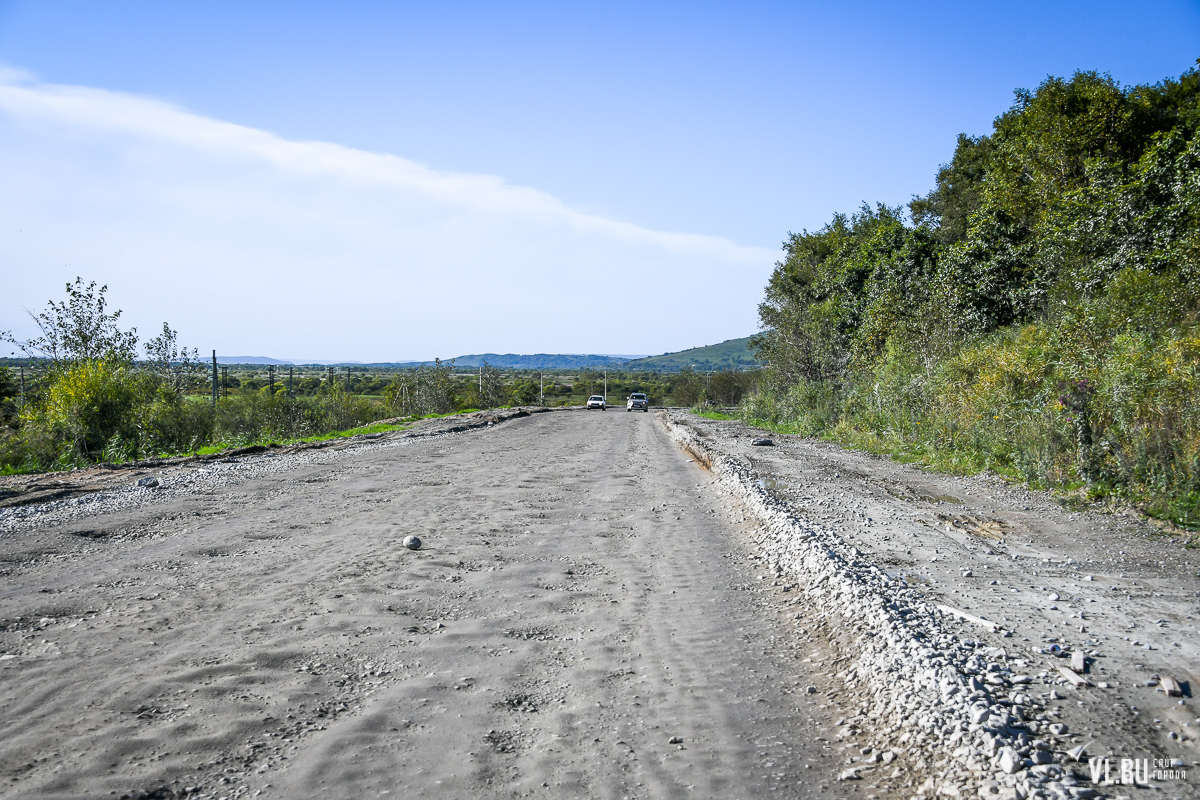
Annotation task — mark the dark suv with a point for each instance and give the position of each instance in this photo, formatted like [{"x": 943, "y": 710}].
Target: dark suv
[{"x": 637, "y": 400}]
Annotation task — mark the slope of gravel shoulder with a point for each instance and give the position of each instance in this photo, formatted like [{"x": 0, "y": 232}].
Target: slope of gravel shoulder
[{"x": 957, "y": 605}]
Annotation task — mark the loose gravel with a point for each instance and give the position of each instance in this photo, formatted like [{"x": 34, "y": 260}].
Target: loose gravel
[{"x": 921, "y": 694}]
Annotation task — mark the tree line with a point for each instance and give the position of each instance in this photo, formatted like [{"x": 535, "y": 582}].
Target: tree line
[{"x": 1035, "y": 313}]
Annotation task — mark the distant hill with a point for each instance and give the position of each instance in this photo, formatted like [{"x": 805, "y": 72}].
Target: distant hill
[
  {"x": 731, "y": 353},
  {"x": 541, "y": 361},
  {"x": 250, "y": 360}
]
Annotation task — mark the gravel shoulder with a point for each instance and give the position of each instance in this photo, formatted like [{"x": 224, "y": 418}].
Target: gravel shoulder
[
  {"x": 581, "y": 622},
  {"x": 957, "y": 604}
]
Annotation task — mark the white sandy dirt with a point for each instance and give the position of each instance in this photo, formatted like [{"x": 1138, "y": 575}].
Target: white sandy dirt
[{"x": 596, "y": 612}]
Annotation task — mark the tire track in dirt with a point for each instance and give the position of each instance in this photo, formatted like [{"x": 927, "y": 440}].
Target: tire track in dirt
[{"x": 578, "y": 605}]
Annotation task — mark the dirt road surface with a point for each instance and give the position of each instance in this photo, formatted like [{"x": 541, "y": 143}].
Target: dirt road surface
[
  {"x": 577, "y": 624},
  {"x": 606, "y": 605}
]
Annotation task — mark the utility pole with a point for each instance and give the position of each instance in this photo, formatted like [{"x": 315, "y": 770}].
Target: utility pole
[
  {"x": 605, "y": 387},
  {"x": 290, "y": 384},
  {"x": 22, "y": 386},
  {"x": 541, "y": 389},
  {"x": 214, "y": 387}
]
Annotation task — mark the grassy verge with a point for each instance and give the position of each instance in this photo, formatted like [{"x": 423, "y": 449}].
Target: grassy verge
[
  {"x": 404, "y": 424},
  {"x": 717, "y": 415},
  {"x": 1178, "y": 511},
  {"x": 322, "y": 437},
  {"x": 251, "y": 441}
]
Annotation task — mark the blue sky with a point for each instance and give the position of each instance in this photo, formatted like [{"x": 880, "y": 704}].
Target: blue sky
[{"x": 411, "y": 180}]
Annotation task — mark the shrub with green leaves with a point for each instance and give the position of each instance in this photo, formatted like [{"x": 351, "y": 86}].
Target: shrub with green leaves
[
  {"x": 92, "y": 406},
  {"x": 427, "y": 389}
]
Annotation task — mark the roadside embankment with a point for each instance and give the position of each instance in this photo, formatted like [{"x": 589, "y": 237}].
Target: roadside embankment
[{"x": 957, "y": 639}]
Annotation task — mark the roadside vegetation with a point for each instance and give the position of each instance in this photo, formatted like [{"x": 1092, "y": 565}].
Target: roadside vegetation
[
  {"x": 1035, "y": 314},
  {"x": 87, "y": 390}
]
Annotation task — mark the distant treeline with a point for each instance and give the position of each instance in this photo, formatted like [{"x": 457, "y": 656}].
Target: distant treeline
[
  {"x": 1035, "y": 313},
  {"x": 87, "y": 390}
]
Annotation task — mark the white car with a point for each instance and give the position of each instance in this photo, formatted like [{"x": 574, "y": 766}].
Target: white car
[
  {"x": 637, "y": 401},
  {"x": 596, "y": 401}
]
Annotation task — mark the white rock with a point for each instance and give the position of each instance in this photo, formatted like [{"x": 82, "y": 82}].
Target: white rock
[{"x": 1010, "y": 762}]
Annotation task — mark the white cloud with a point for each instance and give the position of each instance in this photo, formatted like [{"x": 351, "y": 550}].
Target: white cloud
[{"x": 247, "y": 241}]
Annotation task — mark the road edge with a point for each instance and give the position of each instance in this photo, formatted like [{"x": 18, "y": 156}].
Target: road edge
[{"x": 929, "y": 698}]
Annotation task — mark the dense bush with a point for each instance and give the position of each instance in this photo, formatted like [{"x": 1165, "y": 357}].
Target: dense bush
[
  {"x": 1038, "y": 314},
  {"x": 263, "y": 416},
  {"x": 724, "y": 387},
  {"x": 427, "y": 389},
  {"x": 9, "y": 396}
]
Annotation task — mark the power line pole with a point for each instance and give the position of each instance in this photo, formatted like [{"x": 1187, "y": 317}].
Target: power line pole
[
  {"x": 214, "y": 386},
  {"x": 291, "y": 386}
]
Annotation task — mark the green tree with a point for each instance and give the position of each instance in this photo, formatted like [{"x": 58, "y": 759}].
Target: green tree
[
  {"x": 80, "y": 328},
  {"x": 688, "y": 387},
  {"x": 9, "y": 390},
  {"x": 491, "y": 392},
  {"x": 176, "y": 366},
  {"x": 526, "y": 393},
  {"x": 959, "y": 191},
  {"x": 427, "y": 389}
]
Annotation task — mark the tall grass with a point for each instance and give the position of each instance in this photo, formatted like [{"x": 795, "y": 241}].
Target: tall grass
[{"x": 1116, "y": 421}]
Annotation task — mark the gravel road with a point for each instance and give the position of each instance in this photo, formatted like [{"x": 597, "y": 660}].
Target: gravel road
[
  {"x": 606, "y": 605},
  {"x": 585, "y": 619}
]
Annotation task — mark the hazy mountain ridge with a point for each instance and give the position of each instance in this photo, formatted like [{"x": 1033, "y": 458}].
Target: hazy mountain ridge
[
  {"x": 541, "y": 361},
  {"x": 732, "y": 353}
]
